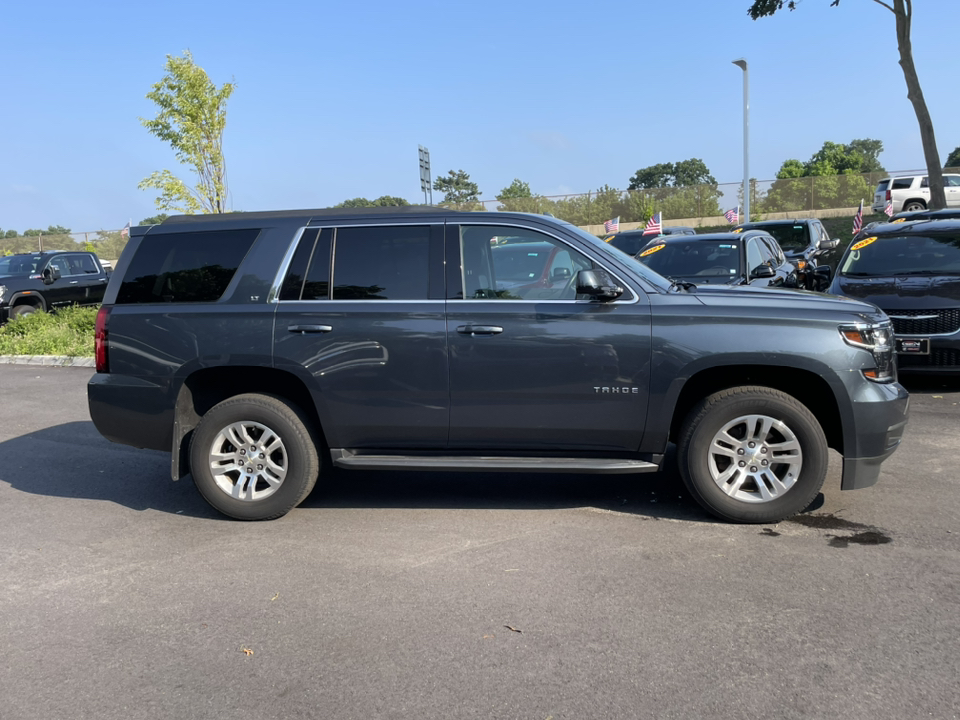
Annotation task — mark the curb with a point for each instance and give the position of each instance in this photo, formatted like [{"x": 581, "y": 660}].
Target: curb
[{"x": 47, "y": 360}]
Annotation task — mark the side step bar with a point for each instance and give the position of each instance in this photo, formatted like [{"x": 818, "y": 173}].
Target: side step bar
[{"x": 481, "y": 463}]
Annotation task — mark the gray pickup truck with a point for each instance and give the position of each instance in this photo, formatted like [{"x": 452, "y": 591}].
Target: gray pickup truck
[{"x": 263, "y": 349}]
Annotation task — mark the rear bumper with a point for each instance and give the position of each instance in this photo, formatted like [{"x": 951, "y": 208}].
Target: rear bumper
[
  {"x": 131, "y": 411},
  {"x": 880, "y": 420}
]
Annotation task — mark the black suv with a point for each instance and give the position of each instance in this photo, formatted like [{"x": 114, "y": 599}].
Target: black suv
[
  {"x": 911, "y": 270},
  {"x": 42, "y": 281},
  {"x": 264, "y": 348},
  {"x": 803, "y": 241}
]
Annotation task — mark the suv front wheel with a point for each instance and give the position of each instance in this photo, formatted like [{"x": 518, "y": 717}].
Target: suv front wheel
[
  {"x": 253, "y": 457},
  {"x": 752, "y": 454}
]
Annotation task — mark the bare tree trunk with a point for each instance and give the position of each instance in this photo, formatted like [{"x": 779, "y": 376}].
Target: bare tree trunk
[{"x": 903, "y": 9}]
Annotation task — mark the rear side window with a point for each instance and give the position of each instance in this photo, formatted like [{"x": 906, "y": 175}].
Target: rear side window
[
  {"x": 379, "y": 263},
  {"x": 882, "y": 185},
  {"x": 901, "y": 183},
  {"x": 184, "y": 267}
]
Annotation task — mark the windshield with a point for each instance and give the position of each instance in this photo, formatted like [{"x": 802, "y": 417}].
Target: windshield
[
  {"x": 903, "y": 255},
  {"x": 704, "y": 259},
  {"x": 790, "y": 237},
  {"x": 629, "y": 243},
  {"x": 19, "y": 264}
]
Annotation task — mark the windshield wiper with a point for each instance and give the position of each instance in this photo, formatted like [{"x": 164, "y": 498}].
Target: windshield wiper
[
  {"x": 861, "y": 274},
  {"x": 926, "y": 272}
]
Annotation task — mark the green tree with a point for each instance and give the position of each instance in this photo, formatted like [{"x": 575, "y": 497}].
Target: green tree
[
  {"x": 903, "y": 13},
  {"x": 516, "y": 189},
  {"x": 191, "y": 117},
  {"x": 10, "y": 234},
  {"x": 154, "y": 219},
  {"x": 834, "y": 176},
  {"x": 458, "y": 189},
  {"x": 953, "y": 159},
  {"x": 679, "y": 190},
  {"x": 382, "y": 201}
]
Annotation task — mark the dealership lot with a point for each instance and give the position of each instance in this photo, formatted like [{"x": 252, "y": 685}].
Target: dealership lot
[{"x": 476, "y": 595}]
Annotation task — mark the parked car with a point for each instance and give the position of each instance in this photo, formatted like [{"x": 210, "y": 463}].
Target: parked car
[
  {"x": 537, "y": 268},
  {"x": 751, "y": 257},
  {"x": 265, "y": 348},
  {"x": 945, "y": 214},
  {"x": 39, "y": 282},
  {"x": 911, "y": 271},
  {"x": 910, "y": 193},
  {"x": 803, "y": 241},
  {"x": 630, "y": 241}
]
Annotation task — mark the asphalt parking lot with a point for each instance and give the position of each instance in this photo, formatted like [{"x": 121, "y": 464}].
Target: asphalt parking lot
[{"x": 465, "y": 596}]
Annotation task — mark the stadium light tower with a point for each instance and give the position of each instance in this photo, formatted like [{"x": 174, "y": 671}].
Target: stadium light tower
[{"x": 742, "y": 64}]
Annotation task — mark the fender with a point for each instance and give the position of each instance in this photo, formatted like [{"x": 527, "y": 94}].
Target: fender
[{"x": 35, "y": 298}]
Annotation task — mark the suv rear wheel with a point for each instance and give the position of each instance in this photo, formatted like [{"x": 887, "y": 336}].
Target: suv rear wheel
[
  {"x": 253, "y": 457},
  {"x": 752, "y": 454},
  {"x": 914, "y": 205}
]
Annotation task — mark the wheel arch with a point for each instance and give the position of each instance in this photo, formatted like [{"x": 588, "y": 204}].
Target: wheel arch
[
  {"x": 206, "y": 387},
  {"x": 905, "y": 203},
  {"x": 807, "y": 386},
  {"x": 30, "y": 298}
]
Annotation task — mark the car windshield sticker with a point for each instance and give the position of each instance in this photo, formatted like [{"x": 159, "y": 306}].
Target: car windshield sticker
[
  {"x": 863, "y": 243},
  {"x": 727, "y": 246},
  {"x": 738, "y": 230},
  {"x": 898, "y": 220},
  {"x": 651, "y": 251}
]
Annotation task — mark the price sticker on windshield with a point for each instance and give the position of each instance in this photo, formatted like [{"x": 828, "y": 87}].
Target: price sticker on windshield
[
  {"x": 863, "y": 243},
  {"x": 898, "y": 220},
  {"x": 651, "y": 251}
]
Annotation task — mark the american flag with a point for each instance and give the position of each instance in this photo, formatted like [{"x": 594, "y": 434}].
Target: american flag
[
  {"x": 733, "y": 215},
  {"x": 653, "y": 225},
  {"x": 612, "y": 225},
  {"x": 888, "y": 208},
  {"x": 858, "y": 220},
  {"x": 125, "y": 232}
]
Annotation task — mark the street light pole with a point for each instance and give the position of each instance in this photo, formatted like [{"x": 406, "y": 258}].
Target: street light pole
[{"x": 742, "y": 64}]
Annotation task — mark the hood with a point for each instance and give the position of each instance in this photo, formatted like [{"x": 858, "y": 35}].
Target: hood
[
  {"x": 784, "y": 303},
  {"x": 905, "y": 292}
]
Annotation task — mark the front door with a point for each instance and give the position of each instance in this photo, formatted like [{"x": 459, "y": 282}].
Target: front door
[
  {"x": 361, "y": 312},
  {"x": 532, "y": 367}
]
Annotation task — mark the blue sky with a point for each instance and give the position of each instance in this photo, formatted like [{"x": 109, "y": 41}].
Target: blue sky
[{"x": 333, "y": 98}]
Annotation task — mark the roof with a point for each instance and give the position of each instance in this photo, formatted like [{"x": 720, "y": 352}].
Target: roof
[
  {"x": 783, "y": 221},
  {"x": 926, "y": 227}
]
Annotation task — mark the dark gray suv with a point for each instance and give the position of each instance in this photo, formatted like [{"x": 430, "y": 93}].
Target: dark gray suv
[{"x": 262, "y": 349}]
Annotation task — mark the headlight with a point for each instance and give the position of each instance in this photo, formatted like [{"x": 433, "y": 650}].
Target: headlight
[{"x": 878, "y": 339}]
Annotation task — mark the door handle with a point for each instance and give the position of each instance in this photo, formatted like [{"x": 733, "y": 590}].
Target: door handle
[
  {"x": 74, "y": 282},
  {"x": 302, "y": 329},
  {"x": 479, "y": 329}
]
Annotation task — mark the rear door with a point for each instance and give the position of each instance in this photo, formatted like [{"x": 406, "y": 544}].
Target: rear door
[
  {"x": 361, "y": 313},
  {"x": 532, "y": 366},
  {"x": 951, "y": 188}
]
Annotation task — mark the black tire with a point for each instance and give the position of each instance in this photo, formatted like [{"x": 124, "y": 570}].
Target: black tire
[
  {"x": 22, "y": 310},
  {"x": 254, "y": 492},
  {"x": 788, "y": 479},
  {"x": 914, "y": 206}
]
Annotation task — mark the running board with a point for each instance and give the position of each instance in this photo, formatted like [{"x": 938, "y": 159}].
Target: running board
[{"x": 481, "y": 463}]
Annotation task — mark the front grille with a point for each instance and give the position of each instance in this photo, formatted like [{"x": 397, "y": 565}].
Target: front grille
[
  {"x": 936, "y": 358},
  {"x": 906, "y": 321}
]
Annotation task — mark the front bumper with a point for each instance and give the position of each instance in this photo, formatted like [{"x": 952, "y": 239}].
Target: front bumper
[
  {"x": 880, "y": 417},
  {"x": 944, "y": 356}
]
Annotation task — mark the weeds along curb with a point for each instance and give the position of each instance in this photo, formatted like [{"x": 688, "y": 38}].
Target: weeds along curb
[{"x": 47, "y": 360}]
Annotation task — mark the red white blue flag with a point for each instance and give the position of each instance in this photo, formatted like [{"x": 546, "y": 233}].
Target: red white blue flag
[
  {"x": 858, "y": 220},
  {"x": 612, "y": 225},
  {"x": 733, "y": 215},
  {"x": 653, "y": 225}
]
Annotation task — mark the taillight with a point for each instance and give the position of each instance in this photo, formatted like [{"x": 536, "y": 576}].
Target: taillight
[
  {"x": 889, "y": 195},
  {"x": 100, "y": 340}
]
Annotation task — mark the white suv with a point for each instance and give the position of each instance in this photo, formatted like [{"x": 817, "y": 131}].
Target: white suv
[{"x": 912, "y": 192}]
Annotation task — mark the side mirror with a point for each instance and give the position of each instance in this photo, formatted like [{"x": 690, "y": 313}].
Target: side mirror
[
  {"x": 762, "y": 271},
  {"x": 50, "y": 275},
  {"x": 561, "y": 273},
  {"x": 828, "y": 244},
  {"x": 597, "y": 284}
]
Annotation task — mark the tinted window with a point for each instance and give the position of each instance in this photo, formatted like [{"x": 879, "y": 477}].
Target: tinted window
[
  {"x": 185, "y": 267},
  {"x": 381, "y": 263},
  {"x": 904, "y": 255},
  {"x": 901, "y": 183},
  {"x": 882, "y": 186},
  {"x": 630, "y": 243},
  {"x": 951, "y": 181},
  {"x": 313, "y": 254},
  {"x": 19, "y": 264},
  {"x": 83, "y": 264},
  {"x": 701, "y": 259},
  {"x": 501, "y": 263},
  {"x": 789, "y": 237}
]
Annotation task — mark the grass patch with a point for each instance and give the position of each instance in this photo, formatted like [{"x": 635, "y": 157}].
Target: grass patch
[{"x": 66, "y": 332}]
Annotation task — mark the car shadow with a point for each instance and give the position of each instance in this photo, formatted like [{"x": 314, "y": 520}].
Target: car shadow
[{"x": 73, "y": 460}]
